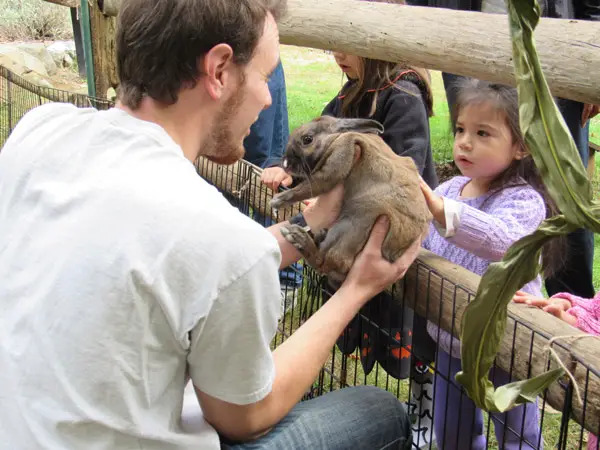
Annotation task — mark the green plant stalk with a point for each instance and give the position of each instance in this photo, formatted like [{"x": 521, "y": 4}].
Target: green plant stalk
[{"x": 560, "y": 166}]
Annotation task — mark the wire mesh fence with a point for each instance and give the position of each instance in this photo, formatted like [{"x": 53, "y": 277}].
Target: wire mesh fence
[
  {"x": 17, "y": 96},
  {"x": 387, "y": 344}
]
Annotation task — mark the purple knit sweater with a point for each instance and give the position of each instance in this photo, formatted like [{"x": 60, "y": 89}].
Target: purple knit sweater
[{"x": 489, "y": 225}]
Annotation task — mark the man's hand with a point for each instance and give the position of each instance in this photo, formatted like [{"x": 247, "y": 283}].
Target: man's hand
[
  {"x": 371, "y": 273},
  {"x": 589, "y": 111},
  {"x": 273, "y": 177},
  {"x": 556, "y": 306},
  {"x": 435, "y": 203}
]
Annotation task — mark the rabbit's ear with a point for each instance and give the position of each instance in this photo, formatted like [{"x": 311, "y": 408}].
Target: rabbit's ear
[{"x": 358, "y": 125}]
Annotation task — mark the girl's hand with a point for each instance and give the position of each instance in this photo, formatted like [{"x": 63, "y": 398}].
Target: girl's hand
[
  {"x": 435, "y": 203},
  {"x": 589, "y": 111},
  {"x": 275, "y": 176},
  {"x": 556, "y": 306}
]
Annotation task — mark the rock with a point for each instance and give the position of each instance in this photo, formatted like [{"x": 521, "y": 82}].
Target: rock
[
  {"x": 22, "y": 61},
  {"x": 12, "y": 65},
  {"x": 38, "y": 50},
  {"x": 59, "y": 49},
  {"x": 67, "y": 61},
  {"x": 37, "y": 79}
]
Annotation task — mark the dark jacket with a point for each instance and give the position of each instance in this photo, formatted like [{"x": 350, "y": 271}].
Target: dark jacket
[
  {"x": 402, "y": 112},
  {"x": 561, "y": 9}
]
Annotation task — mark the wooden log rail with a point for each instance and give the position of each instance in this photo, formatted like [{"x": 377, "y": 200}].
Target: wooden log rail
[
  {"x": 67, "y": 3},
  {"x": 440, "y": 291},
  {"x": 461, "y": 42}
]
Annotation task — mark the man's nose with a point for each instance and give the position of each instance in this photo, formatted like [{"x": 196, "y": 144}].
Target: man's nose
[{"x": 269, "y": 99}]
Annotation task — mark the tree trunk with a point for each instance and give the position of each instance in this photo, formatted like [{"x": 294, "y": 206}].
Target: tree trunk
[{"x": 104, "y": 50}]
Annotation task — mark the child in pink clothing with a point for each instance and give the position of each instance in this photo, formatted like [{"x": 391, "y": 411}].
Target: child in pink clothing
[{"x": 580, "y": 312}]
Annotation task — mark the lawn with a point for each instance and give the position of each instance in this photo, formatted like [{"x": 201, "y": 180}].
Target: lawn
[{"x": 313, "y": 79}]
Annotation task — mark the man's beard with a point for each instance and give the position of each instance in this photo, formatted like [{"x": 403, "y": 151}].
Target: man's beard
[{"x": 222, "y": 147}]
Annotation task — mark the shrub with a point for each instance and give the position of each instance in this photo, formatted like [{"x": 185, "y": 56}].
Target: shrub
[{"x": 34, "y": 20}]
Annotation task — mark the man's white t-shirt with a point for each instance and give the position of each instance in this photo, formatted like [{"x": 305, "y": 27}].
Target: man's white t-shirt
[{"x": 121, "y": 268}]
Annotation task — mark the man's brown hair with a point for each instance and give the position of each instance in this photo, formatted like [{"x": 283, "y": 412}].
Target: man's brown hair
[{"x": 159, "y": 41}]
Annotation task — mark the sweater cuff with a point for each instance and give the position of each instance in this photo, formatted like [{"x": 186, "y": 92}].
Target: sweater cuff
[
  {"x": 587, "y": 304},
  {"x": 585, "y": 320},
  {"x": 452, "y": 213}
]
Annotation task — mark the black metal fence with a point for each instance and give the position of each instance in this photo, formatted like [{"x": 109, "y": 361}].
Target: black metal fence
[
  {"x": 17, "y": 96},
  {"x": 386, "y": 344}
]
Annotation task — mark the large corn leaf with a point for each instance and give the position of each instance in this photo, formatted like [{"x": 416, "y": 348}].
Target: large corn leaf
[{"x": 558, "y": 161}]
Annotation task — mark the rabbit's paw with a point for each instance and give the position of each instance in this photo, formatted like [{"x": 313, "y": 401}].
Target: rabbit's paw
[
  {"x": 281, "y": 199},
  {"x": 300, "y": 238}
]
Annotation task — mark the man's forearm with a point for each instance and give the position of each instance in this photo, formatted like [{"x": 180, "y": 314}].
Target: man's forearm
[
  {"x": 299, "y": 358},
  {"x": 289, "y": 253}
]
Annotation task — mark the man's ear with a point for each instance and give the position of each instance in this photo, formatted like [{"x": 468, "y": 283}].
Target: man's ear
[{"x": 216, "y": 66}]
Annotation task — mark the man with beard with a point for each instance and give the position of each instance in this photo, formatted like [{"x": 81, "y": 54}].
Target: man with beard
[{"x": 125, "y": 275}]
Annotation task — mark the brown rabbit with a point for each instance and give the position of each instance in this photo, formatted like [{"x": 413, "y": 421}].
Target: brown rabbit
[{"x": 327, "y": 151}]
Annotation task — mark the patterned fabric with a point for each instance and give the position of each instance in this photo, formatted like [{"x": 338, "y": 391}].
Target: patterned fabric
[{"x": 586, "y": 310}]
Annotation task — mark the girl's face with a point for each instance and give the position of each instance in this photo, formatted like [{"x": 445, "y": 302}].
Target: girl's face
[
  {"x": 350, "y": 64},
  {"x": 483, "y": 143}
]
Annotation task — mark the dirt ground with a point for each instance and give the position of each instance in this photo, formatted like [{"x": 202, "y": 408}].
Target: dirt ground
[{"x": 67, "y": 79}]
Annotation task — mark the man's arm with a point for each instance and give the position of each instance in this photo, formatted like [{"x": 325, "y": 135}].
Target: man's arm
[{"x": 299, "y": 359}]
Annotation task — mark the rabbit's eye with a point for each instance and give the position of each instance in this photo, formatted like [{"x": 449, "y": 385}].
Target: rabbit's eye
[{"x": 307, "y": 139}]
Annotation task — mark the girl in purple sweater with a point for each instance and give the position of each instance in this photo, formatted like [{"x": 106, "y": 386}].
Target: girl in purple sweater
[{"x": 477, "y": 217}]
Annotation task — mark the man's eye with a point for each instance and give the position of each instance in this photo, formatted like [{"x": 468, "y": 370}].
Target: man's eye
[{"x": 307, "y": 139}]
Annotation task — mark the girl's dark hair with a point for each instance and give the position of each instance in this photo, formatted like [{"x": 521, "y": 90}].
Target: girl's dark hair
[
  {"x": 505, "y": 100},
  {"x": 375, "y": 75}
]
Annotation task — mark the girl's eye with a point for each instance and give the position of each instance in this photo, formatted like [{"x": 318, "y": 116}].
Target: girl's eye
[
  {"x": 482, "y": 133},
  {"x": 307, "y": 139},
  {"x": 459, "y": 129}
]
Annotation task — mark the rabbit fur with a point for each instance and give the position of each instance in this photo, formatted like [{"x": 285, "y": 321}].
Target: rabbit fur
[{"x": 327, "y": 151}]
